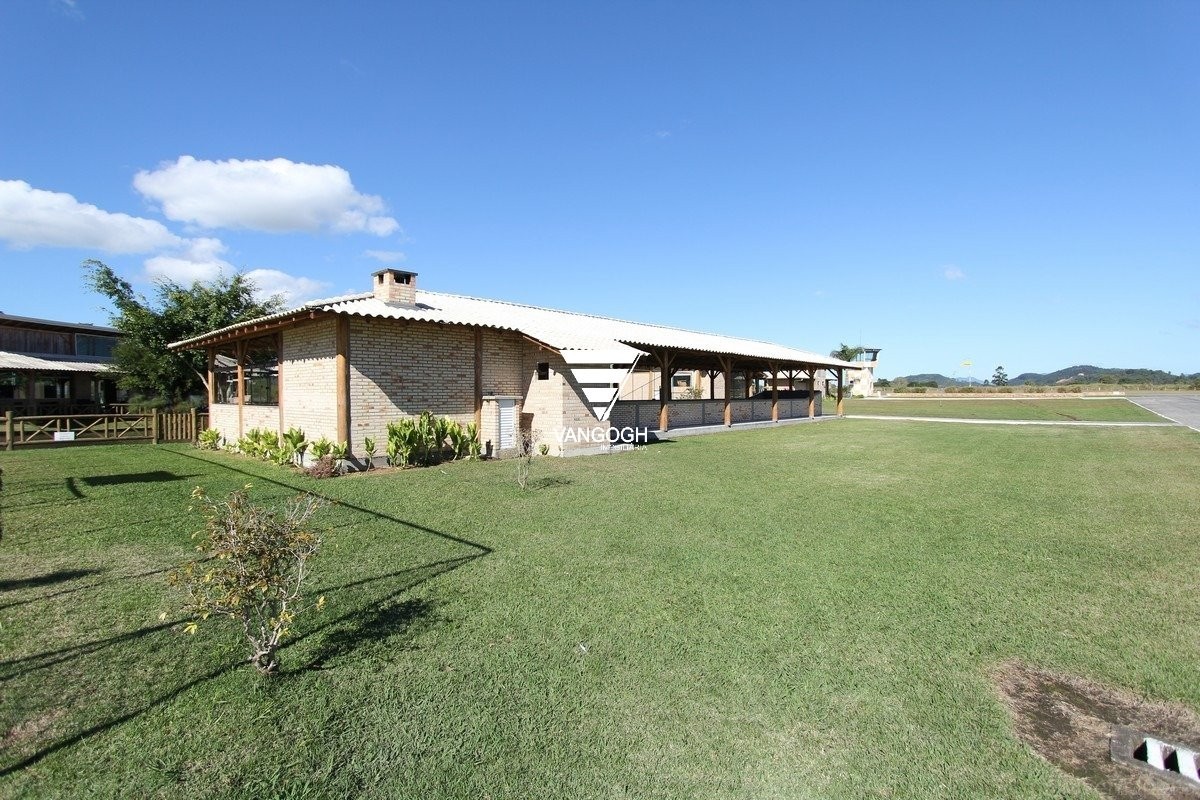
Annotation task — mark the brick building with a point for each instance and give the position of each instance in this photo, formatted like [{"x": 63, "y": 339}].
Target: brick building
[{"x": 344, "y": 367}]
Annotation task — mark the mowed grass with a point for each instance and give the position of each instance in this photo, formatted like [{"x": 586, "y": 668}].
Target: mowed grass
[
  {"x": 1049, "y": 409},
  {"x": 808, "y": 611}
]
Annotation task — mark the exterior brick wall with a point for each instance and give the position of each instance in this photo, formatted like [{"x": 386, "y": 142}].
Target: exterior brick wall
[
  {"x": 309, "y": 378},
  {"x": 224, "y": 417},
  {"x": 402, "y": 368},
  {"x": 558, "y": 405},
  {"x": 265, "y": 417}
]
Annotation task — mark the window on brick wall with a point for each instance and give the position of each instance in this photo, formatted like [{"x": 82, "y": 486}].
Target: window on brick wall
[
  {"x": 225, "y": 375},
  {"x": 543, "y": 370},
  {"x": 262, "y": 372}
]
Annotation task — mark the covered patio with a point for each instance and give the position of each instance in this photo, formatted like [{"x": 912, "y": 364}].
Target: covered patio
[{"x": 790, "y": 391}]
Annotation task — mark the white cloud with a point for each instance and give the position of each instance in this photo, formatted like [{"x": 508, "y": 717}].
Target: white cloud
[
  {"x": 295, "y": 290},
  {"x": 70, "y": 8},
  {"x": 199, "y": 260},
  {"x": 386, "y": 256},
  {"x": 276, "y": 196},
  {"x": 32, "y": 217},
  {"x": 953, "y": 273}
]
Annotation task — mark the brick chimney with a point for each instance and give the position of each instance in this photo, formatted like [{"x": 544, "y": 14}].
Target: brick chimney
[{"x": 396, "y": 286}]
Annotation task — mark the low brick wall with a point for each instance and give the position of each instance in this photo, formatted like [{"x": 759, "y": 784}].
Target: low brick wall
[{"x": 695, "y": 413}]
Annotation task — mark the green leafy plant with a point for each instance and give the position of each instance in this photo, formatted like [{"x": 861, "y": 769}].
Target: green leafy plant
[
  {"x": 340, "y": 451},
  {"x": 474, "y": 445},
  {"x": 369, "y": 447},
  {"x": 256, "y": 563},
  {"x": 295, "y": 439},
  {"x": 544, "y": 449},
  {"x": 321, "y": 448},
  {"x": 403, "y": 441},
  {"x": 284, "y": 455},
  {"x": 209, "y": 439}
]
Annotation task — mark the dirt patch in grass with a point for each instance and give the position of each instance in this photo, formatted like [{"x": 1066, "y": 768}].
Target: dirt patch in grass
[
  {"x": 1069, "y": 721},
  {"x": 31, "y": 728}
]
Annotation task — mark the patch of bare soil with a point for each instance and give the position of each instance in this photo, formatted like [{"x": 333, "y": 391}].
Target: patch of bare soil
[
  {"x": 1069, "y": 721},
  {"x": 31, "y": 728}
]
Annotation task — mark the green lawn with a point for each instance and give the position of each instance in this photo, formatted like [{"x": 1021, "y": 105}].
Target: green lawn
[
  {"x": 806, "y": 611},
  {"x": 1060, "y": 409}
]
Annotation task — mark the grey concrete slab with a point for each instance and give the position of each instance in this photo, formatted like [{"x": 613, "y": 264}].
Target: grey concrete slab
[{"x": 1182, "y": 408}]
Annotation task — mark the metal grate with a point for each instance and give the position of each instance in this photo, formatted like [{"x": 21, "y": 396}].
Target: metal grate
[{"x": 1170, "y": 761}]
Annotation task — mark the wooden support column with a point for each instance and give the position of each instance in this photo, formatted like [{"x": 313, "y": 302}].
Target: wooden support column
[
  {"x": 8, "y": 430},
  {"x": 240, "y": 351},
  {"x": 212, "y": 376},
  {"x": 727, "y": 369},
  {"x": 665, "y": 361},
  {"x": 279, "y": 380},
  {"x": 746, "y": 379},
  {"x": 812, "y": 393},
  {"x": 479, "y": 382},
  {"x": 774, "y": 392},
  {"x": 841, "y": 403},
  {"x": 791, "y": 376},
  {"x": 712, "y": 384},
  {"x": 342, "y": 366}
]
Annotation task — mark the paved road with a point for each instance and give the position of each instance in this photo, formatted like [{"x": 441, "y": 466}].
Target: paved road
[{"x": 1181, "y": 408}]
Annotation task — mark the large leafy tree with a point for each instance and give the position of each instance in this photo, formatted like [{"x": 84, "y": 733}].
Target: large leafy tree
[
  {"x": 1000, "y": 377},
  {"x": 147, "y": 367}
]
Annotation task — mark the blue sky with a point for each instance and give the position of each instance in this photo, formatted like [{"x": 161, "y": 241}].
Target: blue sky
[{"x": 1010, "y": 183}]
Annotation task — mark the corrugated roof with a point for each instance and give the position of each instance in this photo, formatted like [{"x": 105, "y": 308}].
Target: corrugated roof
[
  {"x": 20, "y": 361},
  {"x": 81, "y": 327},
  {"x": 562, "y": 330}
]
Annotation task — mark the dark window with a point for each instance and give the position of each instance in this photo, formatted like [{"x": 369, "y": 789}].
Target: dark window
[
  {"x": 225, "y": 375},
  {"x": 87, "y": 344},
  {"x": 543, "y": 370},
  {"x": 262, "y": 372},
  {"x": 12, "y": 386}
]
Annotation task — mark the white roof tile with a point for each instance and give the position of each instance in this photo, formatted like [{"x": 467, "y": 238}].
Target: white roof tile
[
  {"x": 617, "y": 340},
  {"x": 22, "y": 361}
]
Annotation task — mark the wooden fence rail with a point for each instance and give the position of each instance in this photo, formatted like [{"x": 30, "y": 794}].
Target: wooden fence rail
[{"x": 63, "y": 429}]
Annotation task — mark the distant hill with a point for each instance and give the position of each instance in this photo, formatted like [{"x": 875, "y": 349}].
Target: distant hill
[
  {"x": 1086, "y": 373},
  {"x": 1081, "y": 373}
]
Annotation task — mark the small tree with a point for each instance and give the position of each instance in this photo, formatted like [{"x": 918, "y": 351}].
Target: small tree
[
  {"x": 256, "y": 565},
  {"x": 999, "y": 377},
  {"x": 145, "y": 365}
]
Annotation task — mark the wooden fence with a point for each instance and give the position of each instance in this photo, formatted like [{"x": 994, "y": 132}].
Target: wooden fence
[{"x": 63, "y": 429}]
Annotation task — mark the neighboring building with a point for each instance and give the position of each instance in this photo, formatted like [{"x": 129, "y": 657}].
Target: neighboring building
[
  {"x": 345, "y": 367},
  {"x": 50, "y": 367},
  {"x": 862, "y": 377}
]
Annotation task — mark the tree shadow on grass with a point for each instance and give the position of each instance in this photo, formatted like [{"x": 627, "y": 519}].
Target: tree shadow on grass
[
  {"x": 86, "y": 690},
  {"x": 50, "y": 578},
  {"x": 157, "y": 476}
]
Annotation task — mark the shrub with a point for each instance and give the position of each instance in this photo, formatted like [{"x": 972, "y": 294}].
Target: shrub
[
  {"x": 369, "y": 447},
  {"x": 255, "y": 569},
  {"x": 294, "y": 438},
  {"x": 321, "y": 448},
  {"x": 209, "y": 439},
  {"x": 429, "y": 440},
  {"x": 323, "y": 467}
]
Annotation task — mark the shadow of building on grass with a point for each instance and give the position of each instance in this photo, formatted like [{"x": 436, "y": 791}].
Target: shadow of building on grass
[{"x": 89, "y": 689}]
